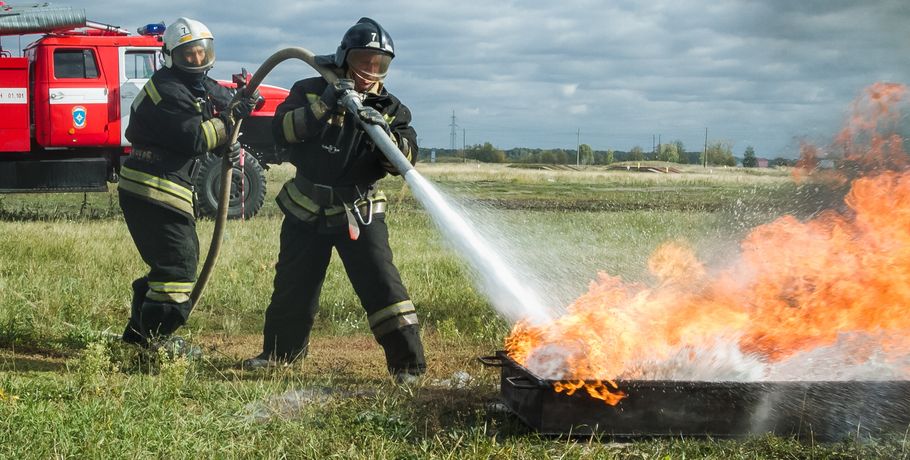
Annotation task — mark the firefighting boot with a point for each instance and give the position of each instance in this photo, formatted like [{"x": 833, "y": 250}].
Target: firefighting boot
[
  {"x": 266, "y": 360},
  {"x": 258, "y": 362},
  {"x": 406, "y": 378},
  {"x": 404, "y": 354},
  {"x": 133, "y": 332}
]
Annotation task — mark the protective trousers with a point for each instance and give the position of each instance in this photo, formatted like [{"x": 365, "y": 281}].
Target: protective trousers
[
  {"x": 168, "y": 244},
  {"x": 299, "y": 276}
]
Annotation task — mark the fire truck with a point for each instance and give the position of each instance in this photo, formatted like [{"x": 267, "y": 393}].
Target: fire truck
[{"x": 65, "y": 105}]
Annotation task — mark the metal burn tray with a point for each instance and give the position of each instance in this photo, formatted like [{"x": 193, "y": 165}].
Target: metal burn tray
[{"x": 818, "y": 410}]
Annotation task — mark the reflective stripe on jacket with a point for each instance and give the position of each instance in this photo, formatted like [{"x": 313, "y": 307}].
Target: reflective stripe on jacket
[{"x": 156, "y": 189}]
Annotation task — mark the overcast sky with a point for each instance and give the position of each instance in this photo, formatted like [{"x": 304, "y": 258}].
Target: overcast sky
[{"x": 534, "y": 73}]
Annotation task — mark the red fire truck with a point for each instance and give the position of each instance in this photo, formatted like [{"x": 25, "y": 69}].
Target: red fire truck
[{"x": 65, "y": 105}]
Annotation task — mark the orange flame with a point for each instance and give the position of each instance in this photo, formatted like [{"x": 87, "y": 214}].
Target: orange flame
[{"x": 796, "y": 286}]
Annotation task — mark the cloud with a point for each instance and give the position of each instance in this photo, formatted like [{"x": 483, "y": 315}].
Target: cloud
[
  {"x": 579, "y": 109},
  {"x": 570, "y": 89},
  {"x": 533, "y": 73}
]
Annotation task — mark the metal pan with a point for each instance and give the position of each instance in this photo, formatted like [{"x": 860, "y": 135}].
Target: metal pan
[{"x": 820, "y": 410}]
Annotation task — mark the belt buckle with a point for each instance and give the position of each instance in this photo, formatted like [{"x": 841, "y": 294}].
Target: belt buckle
[{"x": 323, "y": 195}]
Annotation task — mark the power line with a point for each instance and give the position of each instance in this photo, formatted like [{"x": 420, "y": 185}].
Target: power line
[
  {"x": 464, "y": 148},
  {"x": 452, "y": 134},
  {"x": 706, "y": 146},
  {"x": 578, "y": 147}
]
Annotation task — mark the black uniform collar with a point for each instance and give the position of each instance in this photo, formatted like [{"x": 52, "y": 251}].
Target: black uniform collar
[{"x": 194, "y": 81}]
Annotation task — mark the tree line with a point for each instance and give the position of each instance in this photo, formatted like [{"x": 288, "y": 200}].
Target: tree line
[{"x": 719, "y": 153}]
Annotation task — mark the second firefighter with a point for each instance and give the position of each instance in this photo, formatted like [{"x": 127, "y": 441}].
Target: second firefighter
[{"x": 179, "y": 115}]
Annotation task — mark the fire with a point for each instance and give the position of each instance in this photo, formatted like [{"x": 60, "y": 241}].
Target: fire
[{"x": 796, "y": 286}]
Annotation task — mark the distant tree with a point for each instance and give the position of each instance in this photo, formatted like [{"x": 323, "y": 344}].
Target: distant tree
[
  {"x": 562, "y": 157},
  {"x": 636, "y": 154},
  {"x": 485, "y": 153},
  {"x": 719, "y": 153},
  {"x": 680, "y": 147},
  {"x": 585, "y": 154},
  {"x": 749, "y": 160},
  {"x": 610, "y": 157},
  {"x": 780, "y": 161},
  {"x": 472, "y": 152},
  {"x": 668, "y": 153},
  {"x": 548, "y": 157},
  {"x": 491, "y": 154},
  {"x": 681, "y": 151}
]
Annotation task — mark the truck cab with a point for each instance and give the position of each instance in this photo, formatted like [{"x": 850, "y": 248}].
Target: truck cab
[
  {"x": 82, "y": 87},
  {"x": 65, "y": 105}
]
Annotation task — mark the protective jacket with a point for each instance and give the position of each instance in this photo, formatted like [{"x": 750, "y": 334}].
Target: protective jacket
[
  {"x": 172, "y": 121},
  {"x": 337, "y": 164}
]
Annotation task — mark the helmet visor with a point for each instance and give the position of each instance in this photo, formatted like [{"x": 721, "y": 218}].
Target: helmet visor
[
  {"x": 195, "y": 56},
  {"x": 368, "y": 64}
]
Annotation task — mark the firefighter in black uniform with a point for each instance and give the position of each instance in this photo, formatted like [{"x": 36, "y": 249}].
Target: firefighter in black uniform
[
  {"x": 333, "y": 202},
  {"x": 172, "y": 122}
]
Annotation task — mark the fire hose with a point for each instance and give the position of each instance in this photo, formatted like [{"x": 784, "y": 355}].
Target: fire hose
[{"x": 351, "y": 100}]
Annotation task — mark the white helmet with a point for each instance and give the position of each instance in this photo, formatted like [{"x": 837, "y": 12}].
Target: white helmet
[{"x": 189, "y": 46}]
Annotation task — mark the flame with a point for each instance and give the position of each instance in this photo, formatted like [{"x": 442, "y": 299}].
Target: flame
[{"x": 796, "y": 285}]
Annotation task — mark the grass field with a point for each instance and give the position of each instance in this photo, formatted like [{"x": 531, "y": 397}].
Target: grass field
[{"x": 66, "y": 262}]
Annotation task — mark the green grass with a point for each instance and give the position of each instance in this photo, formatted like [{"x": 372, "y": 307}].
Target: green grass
[
  {"x": 66, "y": 262},
  {"x": 89, "y": 408}
]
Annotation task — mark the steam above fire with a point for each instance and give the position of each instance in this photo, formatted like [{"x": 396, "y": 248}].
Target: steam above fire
[{"x": 825, "y": 298}]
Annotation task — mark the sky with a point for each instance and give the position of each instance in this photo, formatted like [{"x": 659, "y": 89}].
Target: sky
[{"x": 610, "y": 74}]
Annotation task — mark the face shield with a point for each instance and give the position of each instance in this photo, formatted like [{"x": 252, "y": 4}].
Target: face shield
[
  {"x": 368, "y": 65},
  {"x": 196, "y": 56}
]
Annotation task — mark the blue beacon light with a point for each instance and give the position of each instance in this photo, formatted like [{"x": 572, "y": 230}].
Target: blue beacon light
[{"x": 152, "y": 29}]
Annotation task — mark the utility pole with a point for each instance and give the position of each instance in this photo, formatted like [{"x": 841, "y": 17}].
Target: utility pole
[
  {"x": 658, "y": 145},
  {"x": 652, "y": 144},
  {"x": 464, "y": 148},
  {"x": 577, "y": 147},
  {"x": 452, "y": 134},
  {"x": 706, "y": 147}
]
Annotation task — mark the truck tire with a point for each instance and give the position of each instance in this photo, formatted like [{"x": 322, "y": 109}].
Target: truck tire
[{"x": 208, "y": 187}]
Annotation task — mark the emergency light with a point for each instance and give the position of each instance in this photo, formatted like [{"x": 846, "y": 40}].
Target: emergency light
[{"x": 152, "y": 29}]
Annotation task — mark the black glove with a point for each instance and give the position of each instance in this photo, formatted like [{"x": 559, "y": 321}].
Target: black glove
[
  {"x": 332, "y": 94},
  {"x": 372, "y": 116},
  {"x": 233, "y": 153},
  {"x": 246, "y": 104},
  {"x": 388, "y": 166}
]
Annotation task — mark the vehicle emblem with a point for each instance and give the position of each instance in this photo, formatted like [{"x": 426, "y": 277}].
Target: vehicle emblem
[{"x": 79, "y": 116}]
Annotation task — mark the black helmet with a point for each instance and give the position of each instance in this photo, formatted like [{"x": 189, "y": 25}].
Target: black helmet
[{"x": 366, "y": 34}]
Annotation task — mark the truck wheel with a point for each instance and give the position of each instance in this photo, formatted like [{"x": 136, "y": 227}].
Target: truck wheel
[{"x": 208, "y": 187}]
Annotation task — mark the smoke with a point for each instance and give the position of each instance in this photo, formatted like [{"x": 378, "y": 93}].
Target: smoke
[
  {"x": 721, "y": 361},
  {"x": 855, "y": 356}
]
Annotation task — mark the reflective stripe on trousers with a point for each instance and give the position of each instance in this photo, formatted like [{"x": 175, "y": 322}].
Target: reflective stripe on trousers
[{"x": 392, "y": 318}]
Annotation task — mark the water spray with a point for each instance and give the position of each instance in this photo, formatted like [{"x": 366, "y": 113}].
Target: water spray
[{"x": 506, "y": 292}]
